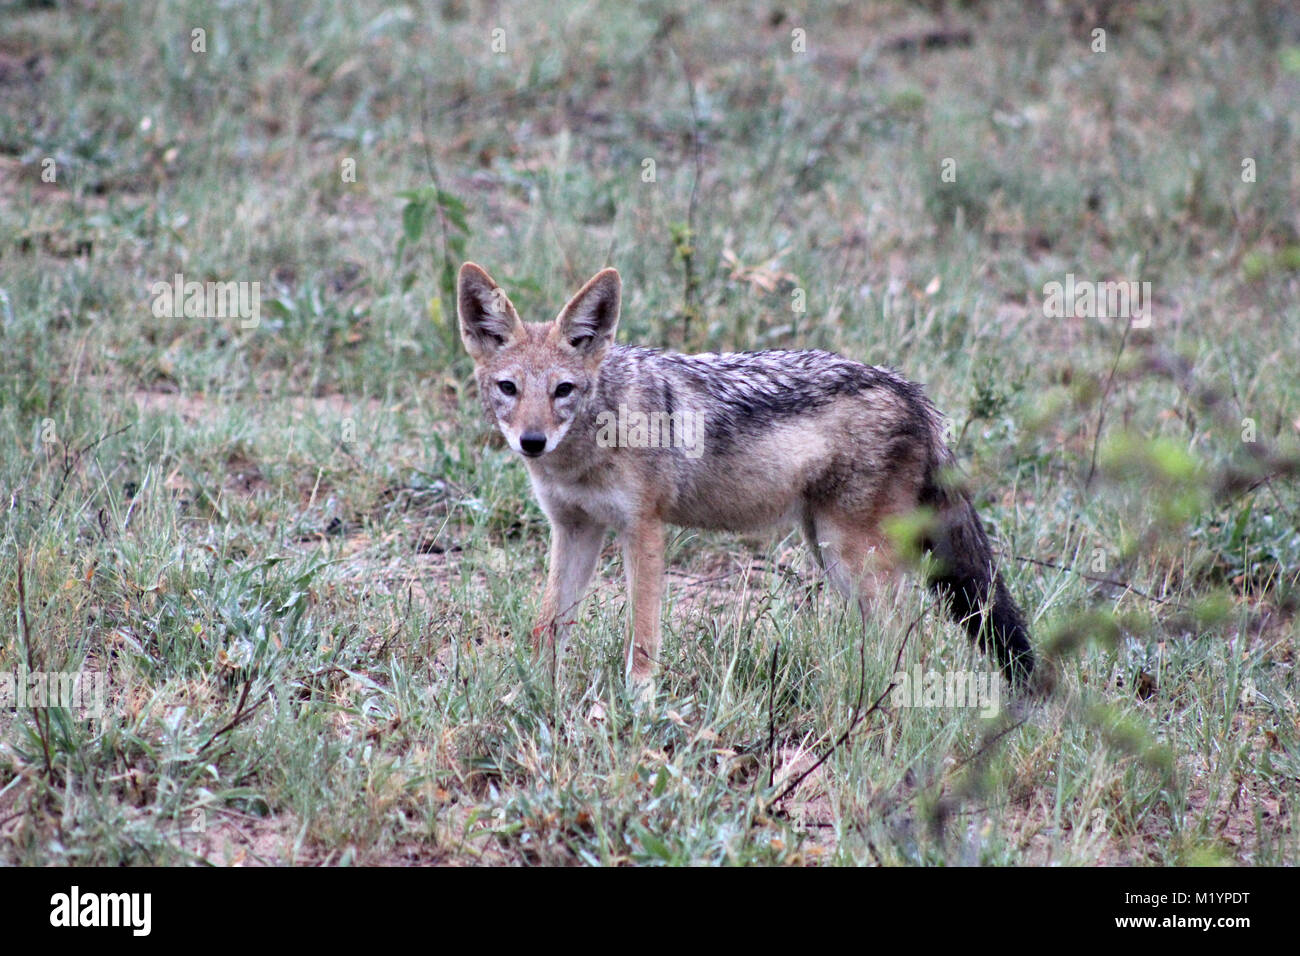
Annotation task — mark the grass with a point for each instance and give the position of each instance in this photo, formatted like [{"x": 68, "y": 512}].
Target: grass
[{"x": 307, "y": 568}]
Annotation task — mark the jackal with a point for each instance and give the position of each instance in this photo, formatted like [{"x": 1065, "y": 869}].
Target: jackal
[{"x": 633, "y": 439}]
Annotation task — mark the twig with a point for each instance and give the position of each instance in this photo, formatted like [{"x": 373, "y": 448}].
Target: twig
[
  {"x": 1100, "y": 580},
  {"x": 983, "y": 748},
  {"x": 70, "y": 463},
  {"x": 859, "y": 715},
  {"x": 239, "y": 718},
  {"x": 1101, "y": 412}
]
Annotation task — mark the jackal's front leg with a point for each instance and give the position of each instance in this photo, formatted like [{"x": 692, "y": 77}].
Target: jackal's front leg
[
  {"x": 643, "y": 554},
  {"x": 575, "y": 547}
]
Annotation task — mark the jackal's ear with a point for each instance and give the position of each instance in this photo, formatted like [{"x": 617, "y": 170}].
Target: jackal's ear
[
  {"x": 590, "y": 318},
  {"x": 488, "y": 320}
]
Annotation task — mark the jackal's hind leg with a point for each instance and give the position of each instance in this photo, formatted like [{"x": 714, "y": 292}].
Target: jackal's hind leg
[{"x": 856, "y": 557}]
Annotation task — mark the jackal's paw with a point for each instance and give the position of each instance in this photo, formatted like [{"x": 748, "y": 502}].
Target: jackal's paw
[
  {"x": 642, "y": 690},
  {"x": 543, "y": 635}
]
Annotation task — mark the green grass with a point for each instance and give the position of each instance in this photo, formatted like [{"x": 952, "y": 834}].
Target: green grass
[{"x": 308, "y": 567}]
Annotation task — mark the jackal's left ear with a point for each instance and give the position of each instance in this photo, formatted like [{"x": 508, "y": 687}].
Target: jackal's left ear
[
  {"x": 488, "y": 320},
  {"x": 590, "y": 318}
]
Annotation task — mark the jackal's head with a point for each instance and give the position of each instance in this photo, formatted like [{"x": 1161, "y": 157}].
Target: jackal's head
[{"x": 536, "y": 378}]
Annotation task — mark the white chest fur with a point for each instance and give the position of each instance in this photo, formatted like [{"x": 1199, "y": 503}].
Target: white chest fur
[{"x": 567, "y": 502}]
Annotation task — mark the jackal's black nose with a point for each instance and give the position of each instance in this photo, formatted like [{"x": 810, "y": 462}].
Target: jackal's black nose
[{"x": 532, "y": 443}]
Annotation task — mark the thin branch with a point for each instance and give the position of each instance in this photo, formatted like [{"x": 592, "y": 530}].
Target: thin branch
[
  {"x": 70, "y": 462},
  {"x": 1101, "y": 412},
  {"x": 240, "y": 716},
  {"x": 859, "y": 715},
  {"x": 984, "y": 747},
  {"x": 1100, "y": 580}
]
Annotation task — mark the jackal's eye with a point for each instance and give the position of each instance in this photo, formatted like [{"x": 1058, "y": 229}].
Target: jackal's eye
[
  {"x": 507, "y": 387},
  {"x": 563, "y": 389}
]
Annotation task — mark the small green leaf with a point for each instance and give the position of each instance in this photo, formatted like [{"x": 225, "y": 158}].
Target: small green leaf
[
  {"x": 413, "y": 221},
  {"x": 661, "y": 782},
  {"x": 653, "y": 844}
]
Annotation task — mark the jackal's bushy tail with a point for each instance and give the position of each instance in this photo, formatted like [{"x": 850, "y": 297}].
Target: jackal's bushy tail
[{"x": 971, "y": 585}]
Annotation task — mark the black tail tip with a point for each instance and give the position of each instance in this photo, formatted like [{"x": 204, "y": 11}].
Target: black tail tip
[
  {"x": 997, "y": 628},
  {"x": 1016, "y": 659},
  {"x": 1023, "y": 670},
  {"x": 1009, "y": 636}
]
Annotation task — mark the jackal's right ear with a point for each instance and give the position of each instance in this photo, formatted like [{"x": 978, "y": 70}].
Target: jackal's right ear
[{"x": 488, "y": 320}]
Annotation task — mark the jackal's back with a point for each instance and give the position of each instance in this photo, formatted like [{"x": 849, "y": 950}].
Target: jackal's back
[
  {"x": 741, "y": 394},
  {"x": 753, "y": 438}
]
